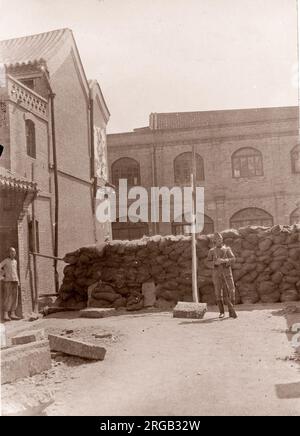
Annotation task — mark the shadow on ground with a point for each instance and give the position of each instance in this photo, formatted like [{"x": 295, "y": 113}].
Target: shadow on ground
[
  {"x": 291, "y": 313},
  {"x": 287, "y": 391},
  {"x": 205, "y": 321},
  {"x": 72, "y": 314}
]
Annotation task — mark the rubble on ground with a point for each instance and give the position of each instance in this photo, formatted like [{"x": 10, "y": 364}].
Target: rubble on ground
[{"x": 23, "y": 405}]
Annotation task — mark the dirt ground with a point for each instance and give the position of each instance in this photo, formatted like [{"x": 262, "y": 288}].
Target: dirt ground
[{"x": 159, "y": 365}]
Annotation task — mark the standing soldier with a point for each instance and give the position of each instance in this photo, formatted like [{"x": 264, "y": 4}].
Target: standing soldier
[
  {"x": 222, "y": 259},
  {"x": 11, "y": 284}
]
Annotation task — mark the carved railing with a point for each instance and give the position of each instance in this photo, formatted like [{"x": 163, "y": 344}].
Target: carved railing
[{"x": 27, "y": 98}]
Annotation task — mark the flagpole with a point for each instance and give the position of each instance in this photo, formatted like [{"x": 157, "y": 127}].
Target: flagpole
[
  {"x": 193, "y": 227},
  {"x": 298, "y": 67}
]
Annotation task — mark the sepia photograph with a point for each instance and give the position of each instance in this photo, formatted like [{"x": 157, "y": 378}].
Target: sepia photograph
[{"x": 150, "y": 210}]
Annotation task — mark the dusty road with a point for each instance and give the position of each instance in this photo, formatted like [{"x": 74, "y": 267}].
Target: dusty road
[{"x": 158, "y": 365}]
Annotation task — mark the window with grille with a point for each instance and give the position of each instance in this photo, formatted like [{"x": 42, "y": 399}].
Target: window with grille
[
  {"x": 183, "y": 168},
  {"x": 126, "y": 168},
  {"x": 247, "y": 162},
  {"x": 183, "y": 228},
  {"x": 129, "y": 230},
  {"x": 251, "y": 217},
  {"x": 296, "y": 160},
  {"x": 30, "y": 138}
]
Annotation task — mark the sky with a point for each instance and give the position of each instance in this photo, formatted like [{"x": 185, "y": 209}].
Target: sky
[{"x": 173, "y": 55}]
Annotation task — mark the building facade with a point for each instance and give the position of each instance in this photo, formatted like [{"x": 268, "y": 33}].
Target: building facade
[
  {"x": 53, "y": 129},
  {"x": 248, "y": 162}
]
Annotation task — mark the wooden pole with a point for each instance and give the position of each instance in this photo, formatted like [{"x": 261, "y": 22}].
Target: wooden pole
[
  {"x": 34, "y": 243},
  {"x": 55, "y": 172},
  {"x": 56, "y": 191},
  {"x": 193, "y": 227},
  {"x": 46, "y": 256},
  {"x": 298, "y": 64}
]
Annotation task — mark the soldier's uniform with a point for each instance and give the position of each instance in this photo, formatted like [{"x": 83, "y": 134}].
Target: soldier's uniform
[{"x": 222, "y": 277}]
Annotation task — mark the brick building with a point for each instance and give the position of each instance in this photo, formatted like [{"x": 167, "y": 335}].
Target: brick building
[
  {"x": 53, "y": 128},
  {"x": 248, "y": 162}
]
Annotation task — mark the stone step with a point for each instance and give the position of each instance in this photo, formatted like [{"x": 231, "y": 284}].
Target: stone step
[
  {"x": 28, "y": 336},
  {"x": 97, "y": 312},
  {"x": 76, "y": 347},
  {"x": 189, "y": 310},
  {"x": 25, "y": 360}
]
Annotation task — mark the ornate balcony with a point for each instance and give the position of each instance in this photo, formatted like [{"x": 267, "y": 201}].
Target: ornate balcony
[{"x": 27, "y": 98}]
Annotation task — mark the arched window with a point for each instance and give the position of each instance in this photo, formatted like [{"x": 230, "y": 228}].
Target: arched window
[
  {"x": 251, "y": 217},
  {"x": 126, "y": 168},
  {"x": 183, "y": 168},
  {"x": 295, "y": 217},
  {"x": 129, "y": 230},
  {"x": 182, "y": 228},
  {"x": 295, "y": 155},
  {"x": 30, "y": 138},
  {"x": 247, "y": 162}
]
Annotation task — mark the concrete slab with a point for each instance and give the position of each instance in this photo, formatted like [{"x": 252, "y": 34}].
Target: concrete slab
[
  {"x": 189, "y": 310},
  {"x": 97, "y": 312},
  {"x": 24, "y": 361},
  {"x": 28, "y": 336},
  {"x": 76, "y": 348}
]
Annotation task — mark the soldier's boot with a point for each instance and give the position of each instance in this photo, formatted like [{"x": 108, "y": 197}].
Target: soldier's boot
[
  {"x": 221, "y": 309},
  {"x": 232, "y": 312}
]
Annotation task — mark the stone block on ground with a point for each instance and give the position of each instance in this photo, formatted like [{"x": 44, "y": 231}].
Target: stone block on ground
[
  {"x": 28, "y": 336},
  {"x": 24, "y": 361},
  {"x": 77, "y": 348},
  {"x": 97, "y": 312},
  {"x": 189, "y": 310}
]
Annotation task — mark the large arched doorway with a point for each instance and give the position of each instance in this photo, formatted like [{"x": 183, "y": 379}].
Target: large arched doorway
[{"x": 251, "y": 216}]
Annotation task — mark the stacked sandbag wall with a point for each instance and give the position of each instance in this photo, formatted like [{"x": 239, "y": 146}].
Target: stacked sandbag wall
[{"x": 267, "y": 268}]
